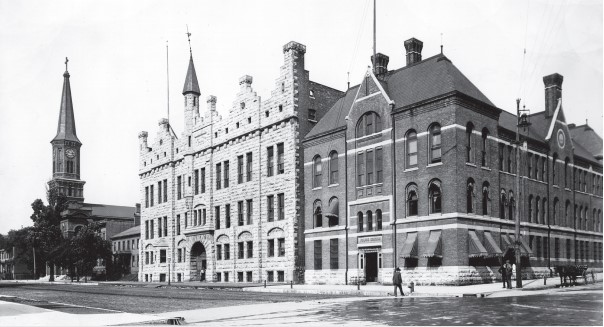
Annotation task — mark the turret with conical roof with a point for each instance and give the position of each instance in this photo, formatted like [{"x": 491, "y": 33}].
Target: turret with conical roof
[
  {"x": 66, "y": 149},
  {"x": 191, "y": 94}
]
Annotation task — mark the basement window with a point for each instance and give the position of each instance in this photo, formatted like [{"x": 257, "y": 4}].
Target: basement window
[
  {"x": 280, "y": 108},
  {"x": 249, "y": 120},
  {"x": 266, "y": 113}
]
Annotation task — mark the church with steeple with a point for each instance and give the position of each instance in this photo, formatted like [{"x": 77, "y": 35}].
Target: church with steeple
[{"x": 66, "y": 180}]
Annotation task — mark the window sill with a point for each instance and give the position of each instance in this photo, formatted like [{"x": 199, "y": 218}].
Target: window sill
[
  {"x": 470, "y": 164},
  {"x": 435, "y": 164},
  {"x": 485, "y": 168},
  {"x": 411, "y": 169},
  {"x": 317, "y": 188},
  {"x": 333, "y": 185}
]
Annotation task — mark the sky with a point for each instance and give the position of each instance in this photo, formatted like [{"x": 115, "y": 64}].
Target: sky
[{"x": 119, "y": 84}]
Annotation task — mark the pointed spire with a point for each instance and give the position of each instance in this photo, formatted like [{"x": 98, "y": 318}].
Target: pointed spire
[
  {"x": 191, "y": 85},
  {"x": 66, "y": 129}
]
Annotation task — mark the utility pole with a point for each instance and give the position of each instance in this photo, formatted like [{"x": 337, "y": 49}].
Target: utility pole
[{"x": 522, "y": 122}]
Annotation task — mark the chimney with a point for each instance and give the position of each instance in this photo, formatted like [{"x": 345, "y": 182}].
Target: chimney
[
  {"x": 553, "y": 92},
  {"x": 381, "y": 64},
  {"x": 211, "y": 100},
  {"x": 246, "y": 81},
  {"x": 414, "y": 50}
]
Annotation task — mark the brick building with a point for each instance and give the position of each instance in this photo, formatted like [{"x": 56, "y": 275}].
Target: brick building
[
  {"x": 126, "y": 251},
  {"x": 224, "y": 201},
  {"x": 416, "y": 168},
  {"x": 66, "y": 155}
]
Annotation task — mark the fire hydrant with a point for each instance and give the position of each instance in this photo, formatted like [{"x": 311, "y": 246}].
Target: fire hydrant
[{"x": 411, "y": 287}]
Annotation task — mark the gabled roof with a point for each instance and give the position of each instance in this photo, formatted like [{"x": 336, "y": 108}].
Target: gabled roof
[
  {"x": 191, "y": 84},
  {"x": 66, "y": 129},
  {"x": 110, "y": 211},
  {"x": 590, "y": 141},
  {"x": 133, "y": 231},
  {"x": 430, "y": 78}
]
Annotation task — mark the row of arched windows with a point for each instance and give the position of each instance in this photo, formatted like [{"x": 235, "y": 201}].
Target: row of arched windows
[
  {"x": 537, "y": 213},
  {"x": 332, "y": 213},
  {"x": 434, "y": 198},
  {"x": 367, "y": 222},
  {"x": 434, "y": 146},
  {"x": 318, "y": 170},
  {"x": 471, "y": 148}
]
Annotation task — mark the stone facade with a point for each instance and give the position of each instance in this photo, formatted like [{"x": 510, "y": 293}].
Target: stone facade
[
  {"x": 206, "y": 196},
  {"x": 425, "y": 180}
]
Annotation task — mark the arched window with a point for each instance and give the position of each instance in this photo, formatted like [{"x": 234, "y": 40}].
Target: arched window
[
  {"x": 378, "y": 219},
  {"x": 536, "y": 167},
  {"x": 318, "y": 214},
  {"x": 318, "y": 171},
  {"x": 485, "y": 198},
  {"x": 368, "y": 124},
  {"x": 435, "y": 196},
  {"x": 333, "y": 215},
  {"x": 469, "y": 149},
  {"x": 470, "y": 196},
  {"x": 555, "y": 211},
  {"x": 510, "y": 155},
  {"x": 412, "y": 207},
  {"x": 511, "y": 206},
  {"x": 566, "y": 180},
  {"x": 530, "y": 209},
  {"x": 434, "y": 144},
  {"x": 537, "y": 203},
  {"x": 360, "y": 221},
  {"x": 594, "y": 221},
  {"x": 369, "y": 221},
  {"x": 503, "y": 201},
  {"x": 333, "y": 168},
  {"x": 411, "y": 148},
  {"x": 484, "y": 155},
  {"x": 554, "y": 163},
  {"x": 580, "y": 225},
  {"x": 543, "y": 210},
  {"x": 567, "y": 213}
]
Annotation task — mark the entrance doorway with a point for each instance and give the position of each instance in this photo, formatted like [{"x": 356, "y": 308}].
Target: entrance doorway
[
  {"x": 371, "y": 267},
  {"x": 198, "y": 262}
]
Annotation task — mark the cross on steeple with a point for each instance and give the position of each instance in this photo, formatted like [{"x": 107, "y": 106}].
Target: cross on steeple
[
  {"x": 66, "y": 61},
  {"x": 189, "y": 38}
]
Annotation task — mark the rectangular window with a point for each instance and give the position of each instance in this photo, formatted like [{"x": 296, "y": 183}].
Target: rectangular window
[
  {"x": 217, "y": 216},
  {"x": 312, "y": 114},
  {"x": 280, "y": 159},
  {"x": 270, "y": 276},
  {"x": 270, "y": 161},
  {"x": 240, "y": 276},
  {"x": 240, "y": 213},
  {"x": 165, "y": 226},
  {"x": 203, "y": 180},
  {"x": 165, "y": 190},
  {"x": 568, "y": 249},
  {"x": 159, "y": 227},
  {"x": 152, "y": 196},
  {"x": 179, "y": 255},
  {"x": 379, "y": 165},
  {"x": 146, "y": 259},
  {"x": 280, "y": 276},
  {"x": 281, "y": 245},
  {"x": 177, "y": 224},
  {"x": 218, "y": 175},
  {"x": 152, "y": 229},
  {"x": 281, "y": 206},
  {"x": 226, "y": 276},
  {"x": 159, "y": 189},
  {"x": 196, "y": 181},
  {"x": 271, "y": 207},
  {"x": 318, "y": 255},
  {"x": 333, "y": 253},
  {"x": 538, "y": 250},
  {"x": 271, "y": 248},
  {"x": 360, "y": 169},
  {"x": 146, "y": 196},
  {"x": 178, "y": 187},
  {"x": 204, "y": 216},
  {"x": 162, "y": 256},
  {"x": 227, "y": 252},
  {"x": 240, "y": 250},
  {"x": 249, "y": 166},
  {"x": 218, "y": 251},
  {"x": 249, "y": 212},
  {"x": 249, "y": 276},
  {"x": 501, "y": 146},
  {"x": 227, "y": 216},
  {"x": 186, "y": 219},
  {"x": 370, "y": 168},
  {"x": 250, "y": 249},
  {"x": 240, "y": 169},
  {"x": 146, "y": 230},
  {"x": 226, "y": 173}
]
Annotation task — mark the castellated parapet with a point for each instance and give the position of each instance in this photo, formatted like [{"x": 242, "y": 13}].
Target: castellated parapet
[{"x": 206, "y": 195}]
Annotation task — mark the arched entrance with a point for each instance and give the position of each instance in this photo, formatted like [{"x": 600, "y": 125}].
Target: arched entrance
[{"x": 198, "y": 262}]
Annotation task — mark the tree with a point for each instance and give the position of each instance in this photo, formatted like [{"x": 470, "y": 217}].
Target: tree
[{"x": 87, "y": 247}]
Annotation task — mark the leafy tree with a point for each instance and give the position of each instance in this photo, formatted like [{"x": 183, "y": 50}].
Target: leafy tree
[{"x": 87, "y": 247}]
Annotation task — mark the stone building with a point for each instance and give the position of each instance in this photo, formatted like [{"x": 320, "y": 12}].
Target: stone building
[
  {"x": 415, "y": 168},
  {"x": 66, "y": 155},
  {"x": 223, "y": 202}
]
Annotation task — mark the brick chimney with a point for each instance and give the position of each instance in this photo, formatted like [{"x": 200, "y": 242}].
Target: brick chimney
[
  {"x": 381, "y": 64},
  {"x": 553, "y": 92},
  {"x": 413, "y": 47}
]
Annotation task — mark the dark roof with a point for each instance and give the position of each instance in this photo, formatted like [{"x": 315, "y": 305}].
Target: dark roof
[
  {"x": 191, "y": 84},
  {"x": 133, "y": 231},
  {"x": 66, "y": 129},
  {"x": 588, "y": 138},
  {"x": 430, "y": 78},
  {"x": 537, "y": 130},
  {"x": 106, "y": 210}
]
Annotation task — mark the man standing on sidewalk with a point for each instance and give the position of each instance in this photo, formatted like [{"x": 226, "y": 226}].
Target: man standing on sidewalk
[
  {"x": 397, "y": 280},
  {"x": 503, "y": 273},
  {"x": 508, "y": 273}
]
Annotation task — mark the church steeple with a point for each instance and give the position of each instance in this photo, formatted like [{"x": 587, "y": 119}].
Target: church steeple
[
  {"x": 66, "y": 149},
  {"x": 66, "y": 129},
  {"x": 191, "y": 85}
]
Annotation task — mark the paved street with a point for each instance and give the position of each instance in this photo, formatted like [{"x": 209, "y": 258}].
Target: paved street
[{"x": 581, "y": 305}]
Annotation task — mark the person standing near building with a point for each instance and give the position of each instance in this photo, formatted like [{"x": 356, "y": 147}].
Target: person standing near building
[
  {"x": 503, "y": 273},
  {"x": 508, "y": 273},
  {"x": 397, "y": 280}
]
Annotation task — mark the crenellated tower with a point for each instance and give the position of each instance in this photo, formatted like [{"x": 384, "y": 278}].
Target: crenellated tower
[{"x": 66, "y": 149}]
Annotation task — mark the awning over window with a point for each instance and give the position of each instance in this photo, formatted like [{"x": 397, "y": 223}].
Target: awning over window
[
  {"x": 525, "y": 250},
  {"x": 410, "y": 246},
  {"x": 476, "y": 247},
  {"x": 492, "y": 246},
  {"x": 434, "y": 248},
  {"x": 333, "y": 208},
  {"x": 506, "y": 242}
]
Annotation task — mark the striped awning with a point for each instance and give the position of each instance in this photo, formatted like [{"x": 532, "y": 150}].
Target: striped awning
[
  {"x": 506, "y": 242},
  {"x": 333, "y": 209},
  {"x": 410, "y": 246},
  {"x": 476, "y": 247},
  {"x": 434, "y": 248},
  {"x": 492, "y": 246},
  {"x": 525, "y": 250}
]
